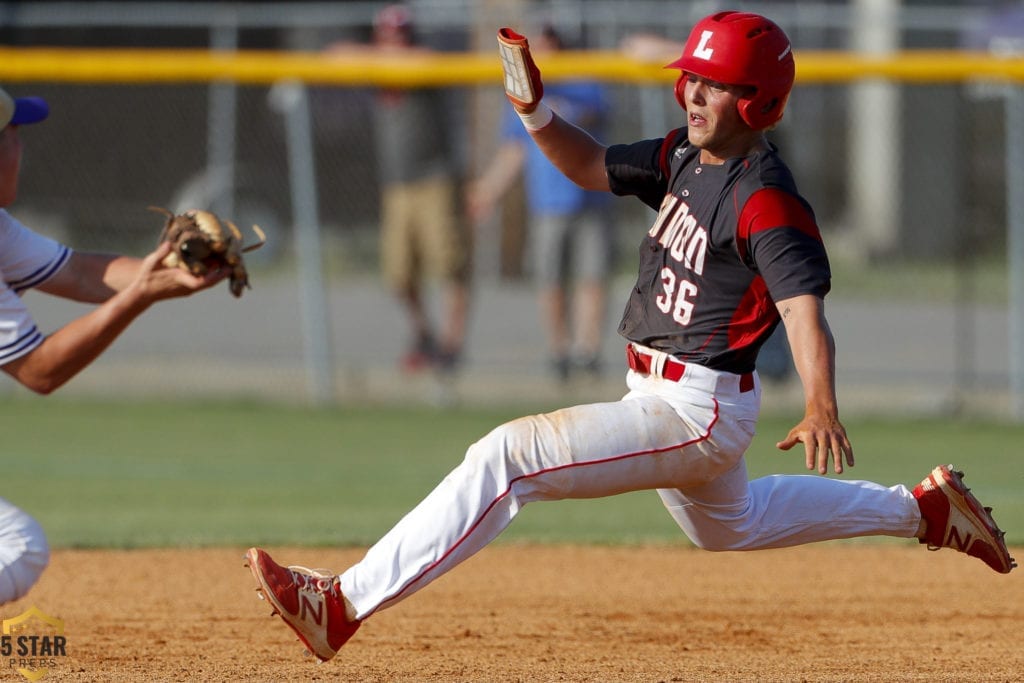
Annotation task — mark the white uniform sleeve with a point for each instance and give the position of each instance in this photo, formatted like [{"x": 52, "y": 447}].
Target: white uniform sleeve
[{"x": 27, "y": 259}]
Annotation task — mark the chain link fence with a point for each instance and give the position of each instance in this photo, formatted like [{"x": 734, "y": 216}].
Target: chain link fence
[{"x": 909, "y": 182}]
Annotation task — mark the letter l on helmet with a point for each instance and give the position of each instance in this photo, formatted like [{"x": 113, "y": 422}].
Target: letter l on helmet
[{"x": 741, "y": 48}]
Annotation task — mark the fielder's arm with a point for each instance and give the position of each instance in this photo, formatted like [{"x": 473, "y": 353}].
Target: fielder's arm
[
  {"x": 69, "y": 350},
  {"x": 92, "y": 278},
  {"x": 814, "y": 354}
]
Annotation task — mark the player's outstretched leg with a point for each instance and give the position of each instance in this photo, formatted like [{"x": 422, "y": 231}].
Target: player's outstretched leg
[
  {"x": 309, "y": 601},
  {"x": 955, "y": 519}
]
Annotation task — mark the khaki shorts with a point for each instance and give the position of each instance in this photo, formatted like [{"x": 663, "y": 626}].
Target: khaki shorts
[{"x": 421, "y": 233}]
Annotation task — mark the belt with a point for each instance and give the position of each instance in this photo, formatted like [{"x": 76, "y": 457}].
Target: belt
[{"x": 671, "y": 369}]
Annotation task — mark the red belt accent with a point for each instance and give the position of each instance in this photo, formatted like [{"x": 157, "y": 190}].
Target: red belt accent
[{"x": 673, "y": 370}]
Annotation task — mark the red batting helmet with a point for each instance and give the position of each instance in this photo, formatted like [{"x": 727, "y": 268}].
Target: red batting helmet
[{"x": 741, "y": 48}]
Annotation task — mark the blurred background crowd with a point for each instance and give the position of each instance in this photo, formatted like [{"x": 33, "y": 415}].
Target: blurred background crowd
[{"x": 912, "y": 182}]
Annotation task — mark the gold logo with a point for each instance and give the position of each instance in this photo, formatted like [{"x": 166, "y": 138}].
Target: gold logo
[{"x": 32, "y": 643}]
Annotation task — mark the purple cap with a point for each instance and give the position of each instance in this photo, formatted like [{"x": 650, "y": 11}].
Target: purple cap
[{"x": 22, "y": 110}]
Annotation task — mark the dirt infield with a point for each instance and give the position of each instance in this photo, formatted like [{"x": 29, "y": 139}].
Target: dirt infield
[{"x": 832, "y": 612}]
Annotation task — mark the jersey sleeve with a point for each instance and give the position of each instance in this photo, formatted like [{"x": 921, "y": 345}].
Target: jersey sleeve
[
  {"x": 636, "y": 170},
  {"x": 27, "y": 259},
  {"x": 18, "y": 332},
  {"x": 778, "y": 236}
]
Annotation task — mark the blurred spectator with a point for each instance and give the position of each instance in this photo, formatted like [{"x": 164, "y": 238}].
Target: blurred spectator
[
  {"x": 570, "y": 233},
  {"x": 419, "y": 168}
]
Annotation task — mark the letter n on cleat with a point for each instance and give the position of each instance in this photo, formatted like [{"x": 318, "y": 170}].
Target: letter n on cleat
[
  {"x": 954, "y": 541},
  {"x": 308, "y": 608}
]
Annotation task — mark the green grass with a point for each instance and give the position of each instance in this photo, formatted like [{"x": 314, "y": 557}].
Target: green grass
[
  {"x": 145, "y": 474},
  {"x": 983, "y": 281}
]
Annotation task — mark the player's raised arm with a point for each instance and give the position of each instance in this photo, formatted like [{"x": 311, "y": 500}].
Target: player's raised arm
[{"x": 571, "y": 149}]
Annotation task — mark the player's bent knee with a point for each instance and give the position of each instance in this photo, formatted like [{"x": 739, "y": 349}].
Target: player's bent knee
[
  {"x": 508, "y": 447},
  {"x": 714, "y": 532},
  {"x": 493, "y": 447},
  {"x": 24, "y": 555}
]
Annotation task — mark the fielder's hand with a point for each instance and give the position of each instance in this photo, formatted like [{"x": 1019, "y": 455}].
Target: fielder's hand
[
  {"x": 201, "y": 242},
  {"x": 522, "y": 77},
  {"x": 155, "y": 281}
]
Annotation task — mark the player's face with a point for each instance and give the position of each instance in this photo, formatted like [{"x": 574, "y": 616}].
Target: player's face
[
  {"x": 713, "y": 120},
  {"x": 10, "y": 163}
]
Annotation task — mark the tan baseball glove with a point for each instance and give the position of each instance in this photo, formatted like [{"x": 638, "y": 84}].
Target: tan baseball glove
[{"x": 202, "y": 241}]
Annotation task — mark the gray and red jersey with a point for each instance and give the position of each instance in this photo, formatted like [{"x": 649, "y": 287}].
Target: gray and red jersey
[{"x": 729, "y": 241}]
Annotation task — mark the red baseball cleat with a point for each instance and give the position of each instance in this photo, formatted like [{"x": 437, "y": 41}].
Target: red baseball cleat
[
  {"x": 957, "y": 520},
  {"x": 309, "y": 601}
]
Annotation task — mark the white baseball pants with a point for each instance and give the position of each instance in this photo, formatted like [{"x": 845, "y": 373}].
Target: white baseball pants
[
  {"x": 24, "y": 552},
  {"x": 686, "y": 439}
]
